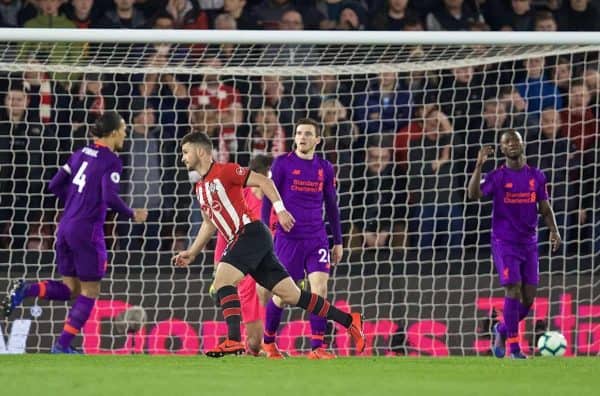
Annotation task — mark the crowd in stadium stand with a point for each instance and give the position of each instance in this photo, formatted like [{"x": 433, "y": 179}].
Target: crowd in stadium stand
[{"x": 403, "y": 144}]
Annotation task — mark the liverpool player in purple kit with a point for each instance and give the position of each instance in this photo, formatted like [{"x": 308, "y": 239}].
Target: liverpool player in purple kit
[
  {"x": 87, "y": 184},
  {"x": 519, "y": 193},
  {"x": 306, "y": 182}
]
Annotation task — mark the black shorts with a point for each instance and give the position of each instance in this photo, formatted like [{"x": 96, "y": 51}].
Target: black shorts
[{"x": 252, "y": 253}]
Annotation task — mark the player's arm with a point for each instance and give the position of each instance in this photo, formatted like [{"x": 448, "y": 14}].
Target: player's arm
[
  {"x": 333, "y": 217},
  {"x": 60, "y": 182},
  {"x": 547, "y": 214},
  {"x": 207, "y": 229},
  {"x": 110, "y": 195},
  {"x": 474, "y": 189},
  {"x": 268, "y": 188}
]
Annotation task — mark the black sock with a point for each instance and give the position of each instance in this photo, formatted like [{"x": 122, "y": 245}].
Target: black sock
[
  {"x": 319, "y": 306},
  {"x": 230, "y": 304}
]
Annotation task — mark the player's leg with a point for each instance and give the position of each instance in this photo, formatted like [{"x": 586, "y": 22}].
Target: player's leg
[
  {"x": 531, "y": 278},
  {"x": 48, "y": 289},
  {"x": 227, "y": 278},
  {"x": 508, "y": 266},
  {"x": 252, "y": 314},
  {"x": 275, "y": 278},
  {"x": 78, "y": 315},
  {"x": 318, "y": 325},
  {"x": 292, "y": 259}
]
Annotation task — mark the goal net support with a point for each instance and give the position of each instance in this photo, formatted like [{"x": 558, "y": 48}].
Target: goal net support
[{"x": 403, "y": 116}]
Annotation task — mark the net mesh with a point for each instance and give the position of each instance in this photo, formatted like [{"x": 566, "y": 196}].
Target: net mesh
[{"x": 402, "y": 126}]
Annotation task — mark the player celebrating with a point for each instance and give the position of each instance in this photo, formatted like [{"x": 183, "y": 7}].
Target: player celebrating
[
  {"x": 252, "y": 311},
  {"x": 250, "y": 249},
  {"x": 306, "y": 182},
  {"x": 87, "y": 184},
  {"x": 519, "y": 192}
]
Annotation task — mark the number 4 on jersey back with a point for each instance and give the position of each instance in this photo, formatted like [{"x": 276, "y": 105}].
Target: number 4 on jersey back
[{"x": 79, "y": 179}]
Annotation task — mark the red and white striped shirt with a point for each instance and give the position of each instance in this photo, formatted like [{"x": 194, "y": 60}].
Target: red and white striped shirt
[{"x": 220, "y": 193}]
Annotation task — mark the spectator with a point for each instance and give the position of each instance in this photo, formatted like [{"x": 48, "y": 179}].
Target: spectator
[
  {"x": 591, "y": 76},
  {"x": 143, "y": 165},
  {"x": 578, "y": 15},
  {"x": 413, "y": 24},
  {"x": 544, "y": 21},
  {"x": 452, "y": 15},
  {"x": 581, "y": 127},
  {"x": 240, "y": 12},
  {"x": 338, "y": 136},
  {"x": 82, "y": 13},
  {"x": 353, "y": 16},
  {"x": 378, "y": 205},
  {"x": 550, "y": 153},
  {"x": 124, "y": 15},
  {"x": 522, "y": 17},
  {"x": 386, "y": 107},
  {"x": 461, "y": 97},
  {"x": 437, "y": 212},
  {"x": 267, "y": 137},
  {"x": 187, "y": 14},
  {"x": 270, "y": 90},
  {"x": 14, "y": 13},
  {"x": 495, "y": 121},
  {"x": 269, "y": 13},
  {"x": 330, "y": 9},
  {"x": 562, "y": 77},
  {"x": 580, "y": 124},
  {"x": 516, "y": 106},
  {"x": 410, "y": 133},
  {"x": 226, "y": 100},
  {"x": 536, "y": 89},
  {"x": 323, "y": 87},
  {"x": 23, "y": 167},
  {"x": 393, "y": 16}
]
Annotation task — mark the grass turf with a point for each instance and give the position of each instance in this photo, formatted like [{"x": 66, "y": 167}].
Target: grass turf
[{"x": 174, "y": 376}]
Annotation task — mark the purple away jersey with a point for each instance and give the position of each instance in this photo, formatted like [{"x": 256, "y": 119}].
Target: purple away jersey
[
  {"x": 88, "y": 184},
  {"x": 305, "y": 187},
  {"x": 516, "y": 194}
]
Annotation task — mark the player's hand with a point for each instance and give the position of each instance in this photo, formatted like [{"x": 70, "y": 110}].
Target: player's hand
[
  {"x": 484, "y": 154},
  {"x": 183, "y": 259},
  {"x": 555, "y": 240},
  {"x": 286, "y": 220},
  {"x": 140, "y": 215},
  {"x": 336, "y": 254}
]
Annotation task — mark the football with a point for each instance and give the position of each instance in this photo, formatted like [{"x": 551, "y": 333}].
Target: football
[{"x": 552, "y": 343}]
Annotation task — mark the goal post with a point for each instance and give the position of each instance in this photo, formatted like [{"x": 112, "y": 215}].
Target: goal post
[{"x": 403, "y": 115}]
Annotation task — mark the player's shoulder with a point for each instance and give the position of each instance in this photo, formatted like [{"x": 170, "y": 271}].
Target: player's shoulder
[
  {"x": 227, "y": 169},
  {"x": 537, "y": 172}
]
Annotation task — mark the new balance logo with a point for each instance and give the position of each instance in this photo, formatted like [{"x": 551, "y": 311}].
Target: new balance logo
[
  {"x": 508, "y": 185},
  {"x": 296, "y": 172}
]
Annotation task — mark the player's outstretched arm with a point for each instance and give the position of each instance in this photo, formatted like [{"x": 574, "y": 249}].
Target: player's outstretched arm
[
  {"x": 474, "y": 189},
  {"x": 207, "y": 229},
  {"x": 333, "y": 217},
  {"x": 268, "y": 188},
  {"x": 548, "y": 215}
]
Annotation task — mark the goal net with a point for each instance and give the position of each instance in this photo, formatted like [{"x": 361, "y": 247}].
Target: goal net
[{"x": 403, "y": 117}]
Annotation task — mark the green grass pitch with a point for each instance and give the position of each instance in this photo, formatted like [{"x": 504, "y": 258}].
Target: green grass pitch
[{"x": 246, "y": 376}]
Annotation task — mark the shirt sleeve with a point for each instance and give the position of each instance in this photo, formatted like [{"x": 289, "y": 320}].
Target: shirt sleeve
[
  {"x": 110, "y": 190},
  {"x": 488, "y": 184},
  {"x": 542, "y": 187},
  {"x": 60, "y": 181},
  {"x": 236, "y": 174},
  {"x": 331, "y": 205}
]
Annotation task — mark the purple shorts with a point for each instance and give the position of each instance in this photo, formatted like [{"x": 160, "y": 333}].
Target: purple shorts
[
  {"x": 81, "y": 253},
  {"x": 516, "y": 263},
  {"x": 300, "y": 256}
]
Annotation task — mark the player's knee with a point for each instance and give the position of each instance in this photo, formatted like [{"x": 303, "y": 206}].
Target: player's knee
[
  {"x": 278, "y": 301},
  {"x": 319, "y": 289},
  {"x": 513, "y": 291},
  {"x": 90, "y": 289}
]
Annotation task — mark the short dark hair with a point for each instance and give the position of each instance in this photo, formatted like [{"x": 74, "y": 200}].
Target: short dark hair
[
  {"x": 261, "y": 164},
  {"x": 513, "y": 132},
  {"x": 199, "y": 138},
  {"x": 107, "y": 124},
  {"x": 309, "y": 121},
  {"x": 383, "y": 140}
]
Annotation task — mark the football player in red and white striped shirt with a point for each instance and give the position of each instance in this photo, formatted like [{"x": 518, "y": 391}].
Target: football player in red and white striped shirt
[{"x": 250, "y": 246}]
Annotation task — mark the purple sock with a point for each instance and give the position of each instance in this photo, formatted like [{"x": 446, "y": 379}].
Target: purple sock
[
  {"x": 318, "y": 325},
  {"x": 523, "y": 311},
  {"x": 272, "y": 320},
  {"x": 511, "y": 321},
  {"x": 49, "y": 290},
  {"x": 78, "y": 315}
]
